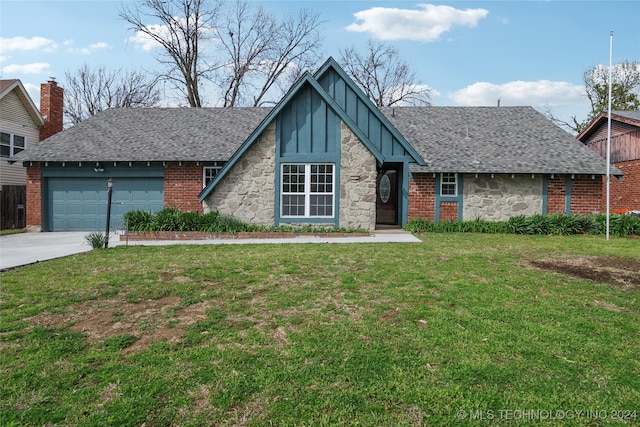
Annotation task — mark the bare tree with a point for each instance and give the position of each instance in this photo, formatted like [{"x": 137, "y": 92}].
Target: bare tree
[
  {"x": 245, "y": 40},
  {"x": 625, "y": 92},
  {"x": 384, "y": 77},
  {"x": 242, "y": 49},
  {"x": 264, "y": 52},
  {"x": 184, "y": 26},
  {"x": 88, "y": 91}
]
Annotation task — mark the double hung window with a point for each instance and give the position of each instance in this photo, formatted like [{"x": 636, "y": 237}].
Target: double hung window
[
  {"x": 11, "y": 144},
  {"x": 448, "y": 184},
  {"x": 307, "y": 190},
  {"x": 208, "y": 173}
]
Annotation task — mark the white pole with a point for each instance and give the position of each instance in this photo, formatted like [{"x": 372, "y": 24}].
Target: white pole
[{"x": 609, "y": 132}]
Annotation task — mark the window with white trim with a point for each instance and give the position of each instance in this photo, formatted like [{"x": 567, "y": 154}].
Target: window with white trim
[
  {"x": 208, "y": 173},
  {"x": 449, "y": 184},
  {"x": 11, "y": 144},
  {"x": 307, "y": 190}
]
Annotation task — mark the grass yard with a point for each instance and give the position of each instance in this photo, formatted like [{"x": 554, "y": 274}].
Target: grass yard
[{"x": 464, "y": 329}]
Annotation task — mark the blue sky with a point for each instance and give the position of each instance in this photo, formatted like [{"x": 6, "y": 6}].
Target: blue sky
[{"x": 469, "y": 53}]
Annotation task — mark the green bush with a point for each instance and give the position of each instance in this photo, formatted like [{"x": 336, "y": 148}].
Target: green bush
[
  {"x": 137, "y": 220},
  {"x": 556, "y": 224},
  {"x": 172, "y": 219}
]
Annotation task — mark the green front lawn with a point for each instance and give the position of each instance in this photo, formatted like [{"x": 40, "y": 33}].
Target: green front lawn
[{"x": 460, "y": 329}]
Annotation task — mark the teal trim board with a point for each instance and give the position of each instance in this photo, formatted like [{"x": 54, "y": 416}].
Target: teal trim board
[
  {"x": 545, "y": 194},
  {"x": 458, "y": 198}
]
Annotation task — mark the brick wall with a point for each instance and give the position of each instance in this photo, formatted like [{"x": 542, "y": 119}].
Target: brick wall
[
  {"x": 625, "y": 194},
  {"x": 448, "y": 211},
  {"x": 422, "y": 196},
  {"x": 182, "y": 185},
  {"x": 34, "y": 198},
  {"x": 586, "y": 195},
  {"x": 556, "y": 194}
]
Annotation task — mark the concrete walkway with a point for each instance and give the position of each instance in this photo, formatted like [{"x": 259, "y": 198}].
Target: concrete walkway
[{"x": 28, "y": 248}]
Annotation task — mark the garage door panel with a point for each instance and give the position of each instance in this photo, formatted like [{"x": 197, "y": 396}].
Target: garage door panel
[{"x": 80, "y": 204}]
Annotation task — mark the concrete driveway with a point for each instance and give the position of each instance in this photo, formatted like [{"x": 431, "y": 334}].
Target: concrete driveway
[{"x": 28, "y": 248}]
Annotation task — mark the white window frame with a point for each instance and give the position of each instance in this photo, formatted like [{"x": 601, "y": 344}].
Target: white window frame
[
  {"x": 209, "y": 173},
  {"x": 448, "y": 180},
  {"x": 12, "y": 144},
  {"x": 307, "y": 193}
]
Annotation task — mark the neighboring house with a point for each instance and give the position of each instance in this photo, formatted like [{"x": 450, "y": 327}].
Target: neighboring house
[
  {"x": 324, "y": 155},
  {"x": 624, "y": 155},
  {"x": 20, "y": 123}
]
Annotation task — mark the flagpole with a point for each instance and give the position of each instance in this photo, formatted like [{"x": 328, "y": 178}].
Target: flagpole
[{"x": 609, "y": 132}]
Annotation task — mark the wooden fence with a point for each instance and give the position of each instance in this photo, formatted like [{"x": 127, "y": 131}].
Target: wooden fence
[{"x": 13, "y": 199}]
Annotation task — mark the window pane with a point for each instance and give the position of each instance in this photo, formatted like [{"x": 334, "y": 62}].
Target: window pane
[
  {"x": 4, "y": 151},
  {"x": 320, "y": 175},
  {"x": 292, "y": 205},
  {"x": 293, "y": 178},
  {"x": 18, "y": 141},
  {"x": 321, "y": 206},
  {"x": 5, "y": 138},
  {"x": 448, "y": 184}
]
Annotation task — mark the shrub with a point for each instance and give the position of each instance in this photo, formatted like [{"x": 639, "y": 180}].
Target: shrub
[
  {"x": 172, "y": 219},
  {"x": 557, "y": 224},
  {"x": 137, "y": 220},
  {"x": 96, "y": 239}
]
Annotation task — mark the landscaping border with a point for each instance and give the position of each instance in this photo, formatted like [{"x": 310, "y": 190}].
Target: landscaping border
[{"x": 201, "y": 235}]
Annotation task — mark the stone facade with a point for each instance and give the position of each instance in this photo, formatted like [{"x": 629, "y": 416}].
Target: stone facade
[
  {"x": 501, "y": 197},
  {"x": 247, "y": 191},
  {"x": 357, "y": 183}
]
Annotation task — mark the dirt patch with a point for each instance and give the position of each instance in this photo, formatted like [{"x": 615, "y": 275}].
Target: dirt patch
[
  {"x": 620, "y": 272},
  {"x": 148, "y": 321}
]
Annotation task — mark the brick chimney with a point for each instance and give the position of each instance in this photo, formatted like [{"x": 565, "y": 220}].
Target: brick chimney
[{"x": 51, "y": 108}]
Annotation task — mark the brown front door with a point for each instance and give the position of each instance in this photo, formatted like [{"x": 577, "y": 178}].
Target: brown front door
[{"x": 387, "y": 197}]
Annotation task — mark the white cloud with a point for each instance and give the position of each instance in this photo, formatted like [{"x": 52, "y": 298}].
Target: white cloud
[
  {"x": 90, "y": 49},
  {"x": 147, "y": 43},
  {"x": 144, "y": 41},
  {"x": 35, "y": 68},
  {"x": 23, "y": 43},
  {"x": 541, "y": 92},
  {"x": 426, "y": 24}
]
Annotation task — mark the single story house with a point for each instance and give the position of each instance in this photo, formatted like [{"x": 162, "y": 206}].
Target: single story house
[
  {"x": 624, "y": 155},
  {"x": 324, "y": 155}
]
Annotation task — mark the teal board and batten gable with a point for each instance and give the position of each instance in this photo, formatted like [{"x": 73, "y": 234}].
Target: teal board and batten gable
[
  {"x": 374, "y": 129},
  {"x": 308, "y": 124},
  {"x": 307, "y": 127}
]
